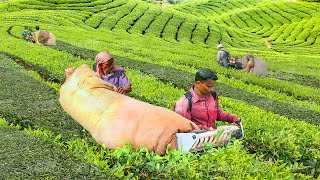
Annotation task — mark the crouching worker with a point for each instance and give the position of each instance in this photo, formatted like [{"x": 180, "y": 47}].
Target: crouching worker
[
  {"x": 254, "y": 65},
  {"x": 27, "y": 35},
  {"x": 111, "y": 73},
  {"x": 40, "y": 37},
  {"x": 223, "y": 56},
  {"x": 235, "y": 62}
]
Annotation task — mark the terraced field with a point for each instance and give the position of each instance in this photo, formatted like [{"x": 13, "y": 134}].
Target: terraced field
[{"x": 161, "y": 48}]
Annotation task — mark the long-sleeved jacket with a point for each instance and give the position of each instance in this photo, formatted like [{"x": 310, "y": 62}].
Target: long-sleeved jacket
[{"x": 222, "y": 53}]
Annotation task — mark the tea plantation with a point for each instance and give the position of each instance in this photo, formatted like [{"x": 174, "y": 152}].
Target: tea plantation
[{"x": 161, "y": 46}]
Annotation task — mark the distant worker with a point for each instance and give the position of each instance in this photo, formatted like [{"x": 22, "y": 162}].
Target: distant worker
[
  {"x": 111, "y": 73},
  {"x": 200, "y": 104},
  {"x": 27, "y": 34},
  {"x": 254, "y": 65},
  {"x": 235, "y": 62},
  {"x": 223, "y": 56},
  {"x": 42, "y": 37},
  {"x": 39, "y": 37}
]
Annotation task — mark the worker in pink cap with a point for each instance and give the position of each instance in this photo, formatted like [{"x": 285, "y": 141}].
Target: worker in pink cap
[{"x": 111, "y": 73}]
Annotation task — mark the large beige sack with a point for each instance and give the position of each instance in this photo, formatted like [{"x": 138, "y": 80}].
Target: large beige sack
[
  {"x": 45, "y": 38},
  {"x": 114, "y": 119},
  {"x": 259, "y": 68},
  {"x": 51, "y": 41}
]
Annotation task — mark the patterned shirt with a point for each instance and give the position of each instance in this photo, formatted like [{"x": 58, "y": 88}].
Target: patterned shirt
[{"x": 117, "y": 77}]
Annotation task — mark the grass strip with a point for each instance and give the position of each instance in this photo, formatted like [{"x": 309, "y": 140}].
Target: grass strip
[
  {"x": 26, "y": 157},
  {"x": 305, "y": 80},
  {"x": 27, "y": 102}
]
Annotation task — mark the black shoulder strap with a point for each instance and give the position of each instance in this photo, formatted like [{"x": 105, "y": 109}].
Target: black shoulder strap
[
  {"x": 189, "y": 97},
  {"x": 214, "y": 95}
]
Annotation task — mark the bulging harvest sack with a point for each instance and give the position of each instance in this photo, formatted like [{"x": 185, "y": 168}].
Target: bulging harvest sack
[{"x": 114, "y": 119}]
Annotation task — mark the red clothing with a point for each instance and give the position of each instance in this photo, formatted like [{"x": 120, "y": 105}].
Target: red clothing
[{"x": 205, "y": 110}]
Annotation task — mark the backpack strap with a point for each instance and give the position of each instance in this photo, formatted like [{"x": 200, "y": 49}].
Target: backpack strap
[
  {"x": 214, "y": 95},
  {"x": 189, "y": 97}
]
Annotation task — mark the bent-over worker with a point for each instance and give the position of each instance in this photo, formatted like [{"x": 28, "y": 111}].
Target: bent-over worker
[
  {"x": 254, "y": 65},
  {"x": 111, "y": 73}
]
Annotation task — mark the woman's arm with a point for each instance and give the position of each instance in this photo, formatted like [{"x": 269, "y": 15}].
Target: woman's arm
[
  {"x": 249, "y": 66},
  {"x": 127, "y": 89}
]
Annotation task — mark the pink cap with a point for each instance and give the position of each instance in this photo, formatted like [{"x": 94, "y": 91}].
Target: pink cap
[{"x": 103, "y": 57}]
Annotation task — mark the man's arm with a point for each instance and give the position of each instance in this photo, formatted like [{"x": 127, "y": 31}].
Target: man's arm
[
  {"x": 223, "y": 116},
  {"x": 226, "y": 117}
]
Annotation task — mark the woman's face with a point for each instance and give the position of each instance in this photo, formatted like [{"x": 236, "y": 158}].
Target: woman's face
[{"x": 107, "y": 66}]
